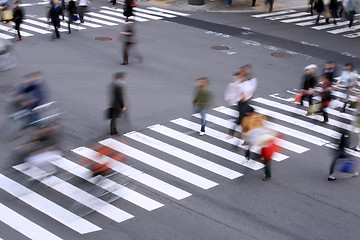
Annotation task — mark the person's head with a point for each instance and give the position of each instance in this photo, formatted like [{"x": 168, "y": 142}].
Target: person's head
[
  {"x": 56, "y": 2},
  {"x": 202, "y": 82},
  {"x": 348, "y": 67},
  {"x": 119, "y": 76},
  {"x": 329, "y": 65},
  {"x": 310, "y": 69},
  {"x": 17, "y": 3},
  {"x": 325, "y": 78},
  {"x": 245, "y": 70},
  {"x": 32, "y": 77}
]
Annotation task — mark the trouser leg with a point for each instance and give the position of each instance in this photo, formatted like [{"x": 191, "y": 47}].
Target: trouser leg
[
  {"x": 113, "y": 129},
  {"x": 267, "y": 168},
  {"x": 203, "y": 119}
]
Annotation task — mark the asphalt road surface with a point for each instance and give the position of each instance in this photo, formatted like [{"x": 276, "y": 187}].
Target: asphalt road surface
[{"x": 176, "y": 184}]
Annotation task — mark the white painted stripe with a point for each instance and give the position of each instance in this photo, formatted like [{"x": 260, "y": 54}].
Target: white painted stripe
[
  {"x": 24, "y": 225},
  {"x": 303, "y": 113},
  {"x": 76, "y": 193},
  {"x": 134, "y": 174},
  {"x": 349, "y": 151},
  {"x": 154, "y": 13},
  {"x": 4, "y": 36},
  {"x": 27, "y": 27},
  {"x": 137, "y": 14},
  {"x": 279, "y": 128},
  {"x": 228, "y": 124},
  {"x": 211, "y": 148},
  {"x": 310, "y": 23},
  {"x": 43, "y": 24},
  {"x": 119, "y": 14},
  {"x": 272, "y": 14},
  {"x": 287, "y": 16},
  {"x": 300, "y": 19},
  {"x": 105, "y": 17},
  {"x": 223, "y": 137},
  {"x": 25, "y": 34},
  {"x": 109, "y": 185},
  {"x": 346, "y": 29},
  {"x": 322, "y": 27},
  {"x": 328, "y": 110},
  {"x": 91, "y": 19},
  {"x": 47, "y": 207},
  {"x": 64, "y": 25},
  {"x": 352, "y": 35},
  {"x": 168, "y": 11},
  {"x": 159, "y": 164},
  {"x": 84, "y": 24},
  {"x": 186, "y": 156}
]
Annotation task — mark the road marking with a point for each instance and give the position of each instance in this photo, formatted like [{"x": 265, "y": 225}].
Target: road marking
[
  {"x": 91, "y": 19},
  {"x": 287, "y": 16},
  {"x": 43, "y": 24},
  {"x": 24, "y": 26},
  {"x": 322, "y": 27},
  {"x": 134, "y": 174},
  {"x": 186, "y": 156},
  {"x": 84, "y": 24},
  {"x": 25, "y": 34},
  {"x": 121, "y": 191},
  {"x": 24, "y": 225},
  {"x": 279, "y": 128},
  {"x": 310, "y": 23},
  {"x": 223, "y": 137},
  {"x": 168, "y": 11},
  {"x": 76, "y": 193},
  {"x": 352, "y": 35},
  {"x": 159, "y": 164},
  {"x": 298, "y": 19},
  {"x": 105, "y": 17},
  {"x": 47, "y": 207},
  {"x": 272, "y": 14},
  {"x": 154, "y": 13},
  {"x": 4, "y": 36},
  {"x": 346, "y": 29},
  {"x": 211, "y": 148},
  {"x": 119, "y": 14},
  {"x": 137, "y": 14},
  {"x": 228, "y": 124}
]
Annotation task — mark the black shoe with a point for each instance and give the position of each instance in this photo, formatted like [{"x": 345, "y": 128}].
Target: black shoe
[
  {"x": 331, "y": 179},
  {"x": 114, "y": 133},
  {"x": 125, "y": 63},
  {"x": 266, "y": 179},
  {"x": 325, "y": 121}
]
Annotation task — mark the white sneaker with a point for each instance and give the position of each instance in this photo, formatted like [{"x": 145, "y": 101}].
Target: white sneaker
[
  {"x": 202, "y": 133},
  {"x": 357, "y": 148}
]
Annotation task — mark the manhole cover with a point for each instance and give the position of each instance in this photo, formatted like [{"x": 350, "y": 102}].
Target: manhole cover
[
  {"x": 220, "y": 47},
  {"x": 6, "y": 89},
  {"x": 281, "y": 55},
  {"x": 103, "y": 38}
]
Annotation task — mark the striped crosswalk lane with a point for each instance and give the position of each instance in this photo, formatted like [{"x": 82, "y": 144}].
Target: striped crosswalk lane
[{"x": 304, "y": 19}]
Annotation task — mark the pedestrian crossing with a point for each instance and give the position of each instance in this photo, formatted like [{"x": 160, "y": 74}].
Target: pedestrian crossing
[
  {"x": 105, "y": 16},
  {"x": 303, "y": 19},
  {"x": 179, "y": 163}
]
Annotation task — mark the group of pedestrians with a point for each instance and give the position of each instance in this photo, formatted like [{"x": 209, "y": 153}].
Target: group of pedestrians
[{"x": 15, "y": 14}]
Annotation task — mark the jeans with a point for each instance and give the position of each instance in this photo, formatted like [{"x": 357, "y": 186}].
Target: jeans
[{"x": 202, "y": 112}]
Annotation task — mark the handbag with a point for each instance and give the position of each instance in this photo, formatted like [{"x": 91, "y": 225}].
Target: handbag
[
  {"x": 76, "y": 17},
  {"x": 7, "y": 15},
  {"x": 298, "y": 98},
  {"x": 314, "y": 108}
]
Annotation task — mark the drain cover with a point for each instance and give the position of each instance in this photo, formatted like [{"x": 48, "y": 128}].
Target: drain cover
[
  {"x": 220, "y": 47},
  {"x": 281, "y": 55},
  {"x": 103, "y": 38},
  {"x": 6, "y": 89}
]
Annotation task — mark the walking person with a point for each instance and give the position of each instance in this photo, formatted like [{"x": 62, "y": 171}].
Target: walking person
[
  {"x": 325, "y": 96},
  {"x": 202, "y": 101},
  {"x": 271, "y": 4},
  {"x": 319, "y": 7},
  {"x": 6, "y": 14},
  {"x": 82, "y": 7},
  {"x": 117, "y": 103},
  {"x": 330, "y": 71},
  {"x": 348, "y": 79},
  {"x": 128, "y": 9},
  {"x": 18, "y": 16},
  {"x": 333, "y": 9},
  {"x": 129, "y": 42},
  {"x": 311, "y": 7},
  {"x": 54, "y": 15},
  {"x": 72, "y": 13},
  {"x": 309, "y": 83}
]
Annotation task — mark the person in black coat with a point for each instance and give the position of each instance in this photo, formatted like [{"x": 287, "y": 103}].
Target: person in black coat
[
  {"x": 72, "y": 13},
  {"x": 18, "y": 16},
  {"x": 117, "y": 104},
  {"x": 309, "y": 83},
  {"x": 54, "y": 13}
]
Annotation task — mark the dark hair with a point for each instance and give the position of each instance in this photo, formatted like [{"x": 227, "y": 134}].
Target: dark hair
[
  {"x": 119, "y": 75},
  {"x": 349, "y": 64}
]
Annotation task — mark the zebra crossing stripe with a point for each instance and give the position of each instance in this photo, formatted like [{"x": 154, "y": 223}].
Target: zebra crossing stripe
[
  {"x": 223, "y": 137},
  {"x": 303, "y": 112},
  {"x": 168, "y": 11},
  {"x": 43, "y": 24},
  {"x": 186, "y": 156},
  {"x": 119, "y": 14},
  {"x": 90, "y": 19},
  {"x": 346, "y": 29},
  {"x": 76, "y": 193},
  {"x": 279, "y": 128},
  {"x": 322, "y": 27},
  {"x": 109, "y": 185},
  {"x": 352, "y": 35},
  {"x": 273, "y": 14},
  {"x": 134, "y": 174},
  {"x": 159, "y": 164},
  {"x": 310, "y": 23},
  {"x": 65, "y": 26},
  {"x": 24, "y": 225},
  {"x": 47, "y": 207},
  {"x": 138, "y": 14},
  {"x": 349, "y": 151},
  {"x": 27, "y": 27},
  {"x": 154, "y": 13},
  {"x": 228, "y": 124},
  {"x": 299, "y": 19},
  {"x": 4, "y": 36},
  {"x": 105, "y": 17},
  {"x": 25, "y": 34},
  {"x": 84, "y": 24},
  {"x": 205, "y": 146},
  {"x": 287, "y": 16}
]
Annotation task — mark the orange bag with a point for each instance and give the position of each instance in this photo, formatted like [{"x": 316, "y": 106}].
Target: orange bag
[{"x": 298, "y": 98}]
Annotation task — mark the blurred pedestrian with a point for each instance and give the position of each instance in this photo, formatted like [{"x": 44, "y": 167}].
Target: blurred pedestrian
[
  {"x": 253, "y": 3},
  {"x": 325, "y": 96},
  {"x": 230, "y": 96},
  {"x": 54, "y": 15},
  {"x": 319, "y": 7},
  {"x": 82, "y": 7},
  {"x": 117, "y": 103},
  {"x": 333, "y": 9},
  {"x": 129, "y": 40},
  {"x": 352, "y": 7},
  {"x": 128, "y": 9},
  {"x": 340, "y": 8},
  {"x": 202, "y": 101},
  {"x": 348, "y": 79},
  {"x": 72, "y": 14},
  {"x": 18, "y": 16},
  {"x": 330, "y": 71},
  {"x": 311, "y": 7},
  {"x": 309, "y": 83},
  {"x": 6, "y": 14},
  {"x": 271, "y": 4},
  {"x": 229, "y": 3}
]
